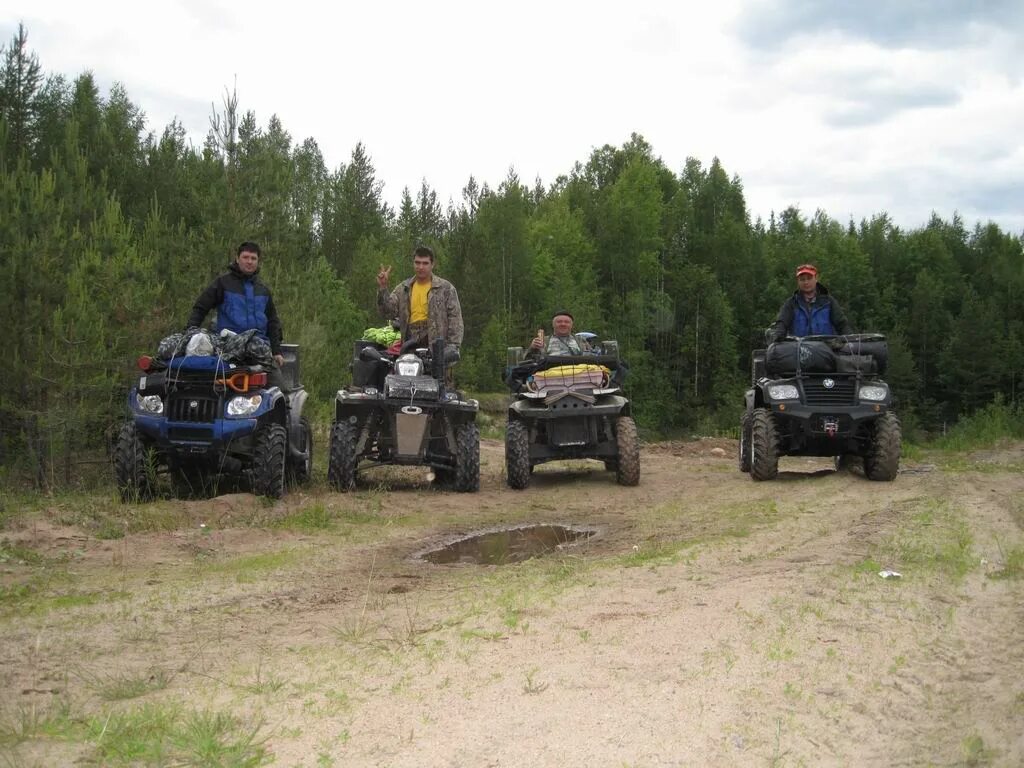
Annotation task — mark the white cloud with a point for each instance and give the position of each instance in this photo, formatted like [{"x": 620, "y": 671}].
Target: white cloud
[{"x": 844, "y": 114}]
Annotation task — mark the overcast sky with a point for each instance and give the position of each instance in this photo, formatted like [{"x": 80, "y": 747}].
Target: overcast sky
[{"x": 851, "y": 106}]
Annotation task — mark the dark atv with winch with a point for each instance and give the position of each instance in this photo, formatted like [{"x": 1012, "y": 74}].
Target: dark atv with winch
[
  {"x": 401, "y": 409},
  {"x": 569, "y": 407},
  {"x": 820, "y": 396},
  {"x": 199, "y": 419}
]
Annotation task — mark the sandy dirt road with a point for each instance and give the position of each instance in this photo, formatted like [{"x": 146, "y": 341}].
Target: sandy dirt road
[{"x": 711, "y": 620}]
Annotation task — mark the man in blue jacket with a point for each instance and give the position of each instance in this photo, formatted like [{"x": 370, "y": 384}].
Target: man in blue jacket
[
  {"x": 243, "y": 302},
  {"x": 810, "y": 311}
]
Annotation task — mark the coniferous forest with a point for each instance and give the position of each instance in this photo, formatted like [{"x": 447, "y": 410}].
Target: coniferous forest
[{"x": 109, "y": 230}]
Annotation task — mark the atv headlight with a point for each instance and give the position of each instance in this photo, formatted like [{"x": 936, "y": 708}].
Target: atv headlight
[
  {"x": 149, "y": 403},
  {"x": 409, "y": 365},
  {"x": 244, "y": 405},
  {"x": 873, "y": 392},
  {"x": 783, "y": 392}
]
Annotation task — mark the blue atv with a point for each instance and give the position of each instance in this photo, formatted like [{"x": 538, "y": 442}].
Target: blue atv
[{"x": 199, "y": 418}]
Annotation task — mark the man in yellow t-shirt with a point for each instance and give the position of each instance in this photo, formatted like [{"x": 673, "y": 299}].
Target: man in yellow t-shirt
[{"x": 427, "y": 306}]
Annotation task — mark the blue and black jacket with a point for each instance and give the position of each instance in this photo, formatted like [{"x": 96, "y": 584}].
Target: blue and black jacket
[
  {"x": 821, "y": 317},
  {"x": 243, "y": 302}
]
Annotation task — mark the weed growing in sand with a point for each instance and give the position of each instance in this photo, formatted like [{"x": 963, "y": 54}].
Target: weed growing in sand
[
  {"x": 934, "y": 539},
  {"x": 975, "y": 752},
  {"x": 168, "y": 735},
  {"x": 120, "y": 686},
  {"x": 480, "y": 634},
  {"x": 30, "y": 721},
  {"x": 18, "y": 554},
  {"x": 311, "y": 519},
  {"x": 1013, "y": 565},
  {"x": 532, "y": 686},
  {"x": 262, "y": 682},
  {"x": 249, "y": 567}
]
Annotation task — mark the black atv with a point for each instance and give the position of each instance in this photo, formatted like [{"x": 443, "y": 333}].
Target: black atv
[
  {"x": 820, "y": 396},
  {"x": 198, "y": 418},
  {"x": 569, "y": 407},
  {"x": 400, "y": 410}
]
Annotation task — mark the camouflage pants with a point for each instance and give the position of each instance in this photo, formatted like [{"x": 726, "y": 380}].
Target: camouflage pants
[{"x": 417, "y": 332}]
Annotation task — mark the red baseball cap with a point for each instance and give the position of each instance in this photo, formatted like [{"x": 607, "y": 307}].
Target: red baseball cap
[{"x": 807, "y": 269}]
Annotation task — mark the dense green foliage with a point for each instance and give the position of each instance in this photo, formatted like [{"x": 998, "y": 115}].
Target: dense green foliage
[{"x": 108, "y": 233}]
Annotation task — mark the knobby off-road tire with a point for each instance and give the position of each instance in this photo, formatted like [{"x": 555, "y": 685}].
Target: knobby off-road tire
[
  {"x": 134, "y": 466},
  {"x": 300, "y": 471},
  {"x": 627, "y": 471},
  {"x": 270, "y": 447},
  {"x": 744, "y": 447},
  {"x": 517, "y": 455},
  {"x": 764, "y": 445},
  {"x": 467, "y": 458},
  {"x": 341, "y": 461},
  {"x": 882, "y": 460}
]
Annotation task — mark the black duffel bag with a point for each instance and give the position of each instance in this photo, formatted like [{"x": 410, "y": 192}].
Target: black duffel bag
[
  {"x": 866, "y": 344},
  {"x": 814, "y": 356}
]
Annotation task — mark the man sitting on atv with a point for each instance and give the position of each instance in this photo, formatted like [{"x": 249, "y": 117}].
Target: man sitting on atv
[
  {"x": 562, "y": 342},
  {"x": 810, "y": 311}
]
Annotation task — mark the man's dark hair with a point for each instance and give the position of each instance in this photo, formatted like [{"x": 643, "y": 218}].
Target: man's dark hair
[
  {"x": 249, "y": 246},
  {"x": 423, "y": 250}
]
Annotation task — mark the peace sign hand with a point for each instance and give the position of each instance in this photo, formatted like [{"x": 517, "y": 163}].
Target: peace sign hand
[{"x": 383, "y": 276}]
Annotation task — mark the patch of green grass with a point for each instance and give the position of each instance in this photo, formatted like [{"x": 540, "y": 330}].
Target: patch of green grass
[
  {"x": 1013, "y": 567},
  {"x": 168, "y": 735},
  {"x": 17, "y": 593},
  {"x": 248, "y": 567},
  {"x": 310, "y": 519},
  {"x": 19, "y": 554},
  {"x": 868, "y": 566},
  {"x": 78, "y": 599},
  {"x": 26, "y": 722},
  {"x": 911, "y": 452},
  {"x": 933, "y": 539},
  {"x": 975, "y": 752},
  {"x": 28, "y": 597},
  {"x": 984, "y": 428},
  {"x": 959, "y": 463},
  {"x": 778, "y": 646},
  {"x": 109, "y": 530},
  {"x": 263, "y": 683},
  {"x": 360, "y": 516},
  {"x": 897, "y": 664},
  {"x": 120, "y": 686},
  {"x": 480, "y": 634},
  {"x": 653, "y": 553}
]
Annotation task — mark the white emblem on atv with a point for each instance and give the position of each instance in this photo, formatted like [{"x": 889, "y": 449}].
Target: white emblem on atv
[
  {"x": 829, "y": 383},
  {"x": 193, "y": 403}
]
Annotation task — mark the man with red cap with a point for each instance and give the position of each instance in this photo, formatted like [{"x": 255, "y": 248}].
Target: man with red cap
[{"x": 810, "y": 311}]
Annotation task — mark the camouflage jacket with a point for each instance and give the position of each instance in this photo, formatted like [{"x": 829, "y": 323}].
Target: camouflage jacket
[
  {"x": 444, "y": 313},
  {"x": 560, "y": 345}
]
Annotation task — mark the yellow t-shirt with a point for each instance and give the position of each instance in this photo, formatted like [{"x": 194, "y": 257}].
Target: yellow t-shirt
[{"x": 418, "y": 302}]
